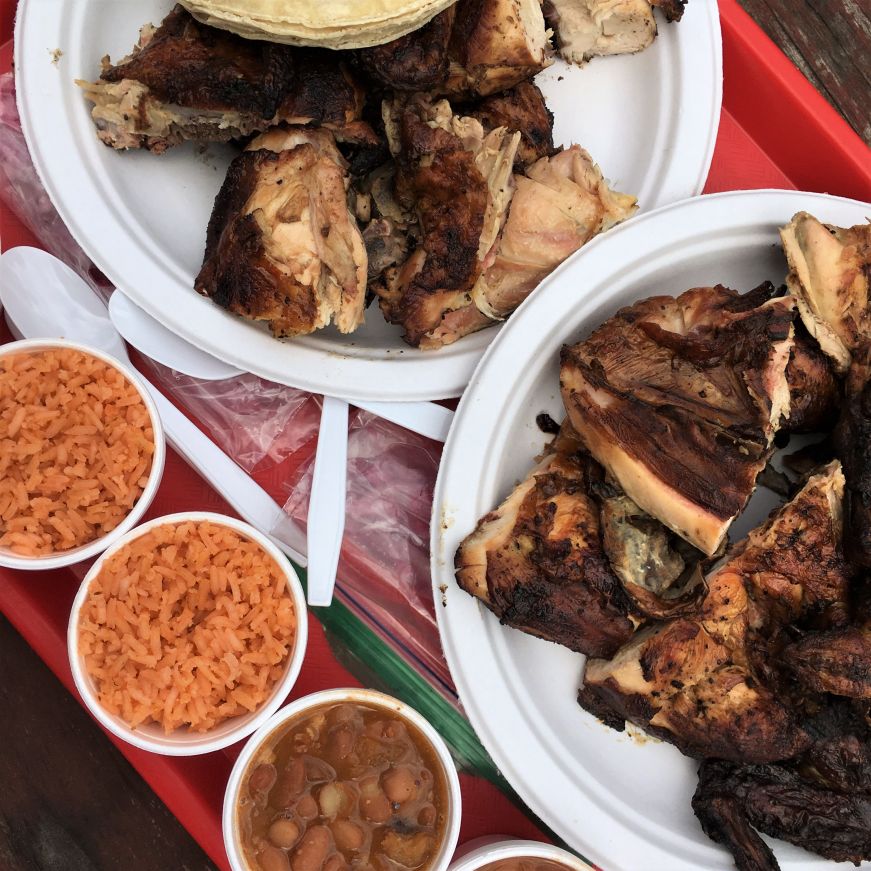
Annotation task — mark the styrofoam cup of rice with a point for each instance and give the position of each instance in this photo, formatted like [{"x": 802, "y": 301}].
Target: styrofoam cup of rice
[
  {"x": 29, "y": 427},
  {"x": 187, "y": 634}
]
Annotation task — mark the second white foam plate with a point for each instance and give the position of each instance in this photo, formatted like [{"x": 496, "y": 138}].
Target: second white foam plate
[{"x": 623, "y": 802}]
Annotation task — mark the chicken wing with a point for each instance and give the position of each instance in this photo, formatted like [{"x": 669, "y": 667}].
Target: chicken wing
[
  {"x": 282, "y": 246},
  {"x": 679, "y": 399}
]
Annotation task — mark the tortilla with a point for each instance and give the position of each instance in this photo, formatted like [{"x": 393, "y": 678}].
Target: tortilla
[{"x": 337, "y": 24}]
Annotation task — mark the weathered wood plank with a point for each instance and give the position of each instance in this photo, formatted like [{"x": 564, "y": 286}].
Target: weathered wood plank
[
  {"x": 830, "y": 42},
  {"x": 69, "y": 800}
]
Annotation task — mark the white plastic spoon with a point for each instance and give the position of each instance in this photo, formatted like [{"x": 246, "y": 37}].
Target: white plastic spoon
[
  {"x": 43, "y": 297},
  {"x": 153, "y": 339}
]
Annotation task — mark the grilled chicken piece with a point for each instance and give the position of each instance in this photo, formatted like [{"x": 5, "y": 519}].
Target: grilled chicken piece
[
  {"x": 590, "y": 28},
  {"x": 672, "y": 9},
  {"x": 521, "y": 108},
  {"x": 186, "y": 80},
  {"x": 731, "y": 800},
  {"x": 679, "y": 399},
  {"x": 459, "y": 181},
  {"x": 703, "y": 681},
  {"x": 537, "y": 561},
  {"x": 282, "y": 246},
  {"x": 495, "y": 45},
  {"x": 837, "y": 662},
  {"x": 415, "y": 62},
  {"x": 814, "y": 392},
  {"x": 852, "y": 440},
  {"x": 559, "y": 205},
  {"x": 829, "y": 275},
  {"x": 659, "y": 571}
]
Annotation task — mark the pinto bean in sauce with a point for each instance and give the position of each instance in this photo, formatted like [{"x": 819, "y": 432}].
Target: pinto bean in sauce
[{"x": 347, "y": 787}]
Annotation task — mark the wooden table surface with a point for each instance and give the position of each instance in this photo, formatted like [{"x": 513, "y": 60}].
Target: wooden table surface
[{"x": 68, "y": 800}]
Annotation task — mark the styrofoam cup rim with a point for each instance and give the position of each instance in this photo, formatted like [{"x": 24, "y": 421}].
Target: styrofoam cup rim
[
  {"x": 87, "y": 551},
  {"x": 182, "y": 742}
]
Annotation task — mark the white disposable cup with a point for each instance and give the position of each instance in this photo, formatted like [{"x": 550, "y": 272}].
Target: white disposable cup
[
  {"x": 474, "y": 855},
  {"x": 87, "y": 551},
  {"x": 308, "y": 703},
  {"x": 184, "y": 742}
]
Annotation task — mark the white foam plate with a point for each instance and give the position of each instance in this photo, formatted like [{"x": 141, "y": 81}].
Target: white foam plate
[
  {"x": 622, "y": 801},
  {"x": 650, "y": 120}
]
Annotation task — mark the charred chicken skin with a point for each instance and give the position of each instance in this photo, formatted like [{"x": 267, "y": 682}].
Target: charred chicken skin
[
  {"x": 415, "y": 62},
  {"x": 732, "y": 801},
  {"x": 538, "y": 563},
  {"x": 702, "y": 681},
  {"x": 187, "y": 80},
  {"x": 679, "y": 399},
  {"x": 282, "y": 246},
  {"x": 521, "y": 109}
]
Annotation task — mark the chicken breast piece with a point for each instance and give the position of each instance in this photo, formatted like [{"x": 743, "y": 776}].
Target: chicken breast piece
[
  {"x": 591, "y": 28},
  {"x": 537, "y": 561},
  {"x": 458, "y": 180},
  {"x": 496, "y": 44},
  {"x": 558, "y": 205},
  {"x": 282, "y": 246},
  {"x": 829, "y": 274},
  {"x": 585, "y": 29},
  {"x": 699, "y": 681},
  {"x": 679, "y": 399},
  {"x": 186, "y": 80}
]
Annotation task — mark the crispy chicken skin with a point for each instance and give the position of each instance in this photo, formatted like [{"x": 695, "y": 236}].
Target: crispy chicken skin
[
  {"x": 814, "y": 391},
  {"x": 703, "y": 681},
  {"x": 495, "y": 44},
  {"x": 521, "y": 108},
  {"x": 186, "y": 80},
  {"x": 731, "y": 800},
  {"x": 415, "y": 62},
  {"x": 282, "y": 246},
  {"x": 559, "y": 204},
  {"x": 458, "y": 180},
  {"x": 537, "y": 561},
  {"x": 679, "y": 399},
  {"x": 829, "y": 275}
]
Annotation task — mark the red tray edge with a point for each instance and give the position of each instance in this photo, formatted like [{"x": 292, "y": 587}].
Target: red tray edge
[{"x": 749, "y": 55}]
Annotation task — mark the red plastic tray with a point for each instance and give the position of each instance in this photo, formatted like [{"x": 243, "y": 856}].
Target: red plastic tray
[{"x": 776, "y": 131}]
